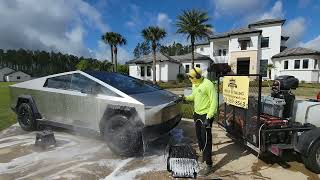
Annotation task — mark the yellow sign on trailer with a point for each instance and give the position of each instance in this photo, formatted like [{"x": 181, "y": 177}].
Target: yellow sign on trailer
[{"x": 236, "y": 90}]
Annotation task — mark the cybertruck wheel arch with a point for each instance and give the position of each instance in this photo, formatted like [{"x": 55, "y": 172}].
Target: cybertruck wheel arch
[
  {"x": 29, "y": 100},
  {"x": 121, "y": 128},
  {"x": 129, "y": 112}
]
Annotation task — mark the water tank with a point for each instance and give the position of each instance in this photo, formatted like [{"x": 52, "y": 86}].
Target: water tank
[{"x": 306, "y": 112}]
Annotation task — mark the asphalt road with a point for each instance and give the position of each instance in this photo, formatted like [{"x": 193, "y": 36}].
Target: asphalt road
[{"x": 81, "y": 157}]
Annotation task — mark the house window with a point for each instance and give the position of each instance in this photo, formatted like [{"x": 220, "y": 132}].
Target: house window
[
  {"x": 224, "y": 52},
  {"x": 305, "y": 64},
  {"x": 198, "y": 65},
  {"x": 219, "y": 52},
  {"x": 201, "y": 49},
  {"x": 296, "y": 64},
  {"x": 264, "y": 42},
  {"x": 142, "y": 71},
  {"x": 243, "y": 45},
  {"x": 286, "y": 65},
  {"x": 187, "y": 68},
  {"x": 148, "y": 70},
  {"x": 315, "y": 64},
  {"x": 264, "y": 67},
  {"x": 18, "y": 77}
]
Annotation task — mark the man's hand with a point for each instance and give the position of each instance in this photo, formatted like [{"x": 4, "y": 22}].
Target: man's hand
[
  {"x": 207, "y": 123},
  {"x": 182, "y": 97}
]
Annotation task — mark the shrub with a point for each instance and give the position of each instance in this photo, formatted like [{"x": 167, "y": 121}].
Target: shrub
[
  {"x": 187, "y": 110},
  {"x": 180, "y": 78}
]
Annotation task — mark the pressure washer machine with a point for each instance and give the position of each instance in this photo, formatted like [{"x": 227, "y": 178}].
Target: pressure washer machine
[{"x": 274, "y": 123}]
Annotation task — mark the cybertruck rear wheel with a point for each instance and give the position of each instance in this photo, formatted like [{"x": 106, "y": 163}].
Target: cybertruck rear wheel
[
  {"x": 122, "y": 136},
  {"x": 26, "y": 117}
]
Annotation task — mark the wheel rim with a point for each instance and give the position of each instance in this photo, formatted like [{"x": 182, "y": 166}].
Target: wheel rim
[
  {"x": 318, "y": 156},
  {"x": 24, "y": 117}
]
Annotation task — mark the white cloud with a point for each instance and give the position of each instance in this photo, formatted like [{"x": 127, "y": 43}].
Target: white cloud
[
  {"x": 48, "y": 25},
  {"x": 275, "y": 12},
  {"x": 304, "y": 3},
  {"x": 134, "y": 15},
  {"x": 313, "y": 44},
  {"x": 235, "y": 7},
  {"x": 295, "y": 29},
  {"x": 163, "y": 20}
]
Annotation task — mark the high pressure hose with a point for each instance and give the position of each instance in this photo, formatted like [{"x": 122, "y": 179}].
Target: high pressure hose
[
  {"x": 260, "y": 140},
  {"x": 205, "y": 145}
]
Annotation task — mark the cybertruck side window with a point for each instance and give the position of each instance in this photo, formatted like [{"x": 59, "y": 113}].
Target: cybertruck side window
[
  {"x": 59, "y": 82},
  {"x": 81, "y": 83}
]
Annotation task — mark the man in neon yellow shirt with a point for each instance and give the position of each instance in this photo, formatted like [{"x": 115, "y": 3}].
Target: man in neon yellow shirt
[{"x": 204, "y": 97}]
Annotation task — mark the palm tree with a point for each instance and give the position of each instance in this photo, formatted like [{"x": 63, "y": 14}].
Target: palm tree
[
  {"x": 270, "y": 67},
  {"x": 110, "y": 38},
  {"x": 118, "y": 40},
  {"x": 193, "y": 24},
  {"x": 153, "y": 34}
]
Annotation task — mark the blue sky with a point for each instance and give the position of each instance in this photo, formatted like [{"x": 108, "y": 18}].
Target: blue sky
[{"x": 75, "y": 26}]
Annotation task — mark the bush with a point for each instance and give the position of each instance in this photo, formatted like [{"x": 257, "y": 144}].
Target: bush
[
  {"x": 181, "y": 78},
  {"x": 187, "y": 110}
]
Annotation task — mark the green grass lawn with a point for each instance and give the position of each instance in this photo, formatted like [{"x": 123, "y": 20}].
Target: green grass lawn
[
  {"x": 7, "y": 117},
  {"x": 303, "y": 92}
]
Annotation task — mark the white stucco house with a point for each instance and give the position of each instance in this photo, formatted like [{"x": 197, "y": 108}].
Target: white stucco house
[
  {"x": 4, "y": 71},
  {"x": 10, "y": 75},
  {"x": 247, "y": 50},
  {"x": 300, "y": 62},
  {"x": 17, "y": 76},
  {"x": 167, "y": 67}
]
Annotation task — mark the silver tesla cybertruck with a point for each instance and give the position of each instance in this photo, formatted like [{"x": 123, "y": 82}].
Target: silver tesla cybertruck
[{"x": 124, "y": 110}]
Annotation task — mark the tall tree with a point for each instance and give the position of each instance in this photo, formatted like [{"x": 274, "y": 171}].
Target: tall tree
[
  {"x": 153, "y": 34},
  {"x": 193, "y": 24},
  {"x": 118, "y": 40},
  {"x": 110, "y": 38},
  {"x": 142, "y": 49}
]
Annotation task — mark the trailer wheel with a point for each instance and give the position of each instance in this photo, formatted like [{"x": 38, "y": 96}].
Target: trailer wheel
[
  {"x": 312, "y": 161},
  {"x": 26, "y": 117},
  {"x": 122, "y": 137}
]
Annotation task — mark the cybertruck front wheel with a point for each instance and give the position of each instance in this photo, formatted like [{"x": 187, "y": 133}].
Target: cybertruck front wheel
[
  {"x": 26, "y": 117},
  {"x": 122, "y": 136}
]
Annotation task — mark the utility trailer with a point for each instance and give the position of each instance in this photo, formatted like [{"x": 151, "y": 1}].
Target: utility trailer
[{"x": 272, "y": 123}]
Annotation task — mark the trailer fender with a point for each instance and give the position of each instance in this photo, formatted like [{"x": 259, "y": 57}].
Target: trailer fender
[
  {"x": 305, "y": 141},
  {"x": 28, "y": 99}
]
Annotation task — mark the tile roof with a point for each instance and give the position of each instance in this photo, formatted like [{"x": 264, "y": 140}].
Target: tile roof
[
  {"x": 187, "y": 57},
  {"x": 163, "y": 57},
  {"x": 236, "y": 32},
  {"x": 149, "y": 58},
  {"x": 267, "y": 21},
  {"x": 296, "y": 52}
]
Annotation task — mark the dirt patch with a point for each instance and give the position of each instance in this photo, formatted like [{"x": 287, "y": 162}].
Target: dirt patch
[{"x": 155, "y": 175}]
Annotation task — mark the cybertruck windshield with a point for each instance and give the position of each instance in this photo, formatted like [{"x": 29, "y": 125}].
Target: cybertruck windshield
[{"x": 126, "y": 84}]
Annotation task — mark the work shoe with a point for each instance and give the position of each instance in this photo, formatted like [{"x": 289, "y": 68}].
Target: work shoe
[{"x": 206, "y": 171}]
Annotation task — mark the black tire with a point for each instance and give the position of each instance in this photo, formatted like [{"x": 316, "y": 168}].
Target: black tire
[
  {"x": 312, "y": 161},
  {"x": 26, "y": 117},
  {"x": 122, "y": 136}
]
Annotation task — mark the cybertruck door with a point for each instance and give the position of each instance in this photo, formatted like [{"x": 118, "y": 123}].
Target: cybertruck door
[
  {"x": 52, "y": 99},
  {"x": 82, "y": 104}
]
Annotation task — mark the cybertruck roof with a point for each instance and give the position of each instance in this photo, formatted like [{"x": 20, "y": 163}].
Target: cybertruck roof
[
  {"x": 127, "y": 87},
  {"x": 39, "y": 84}
]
